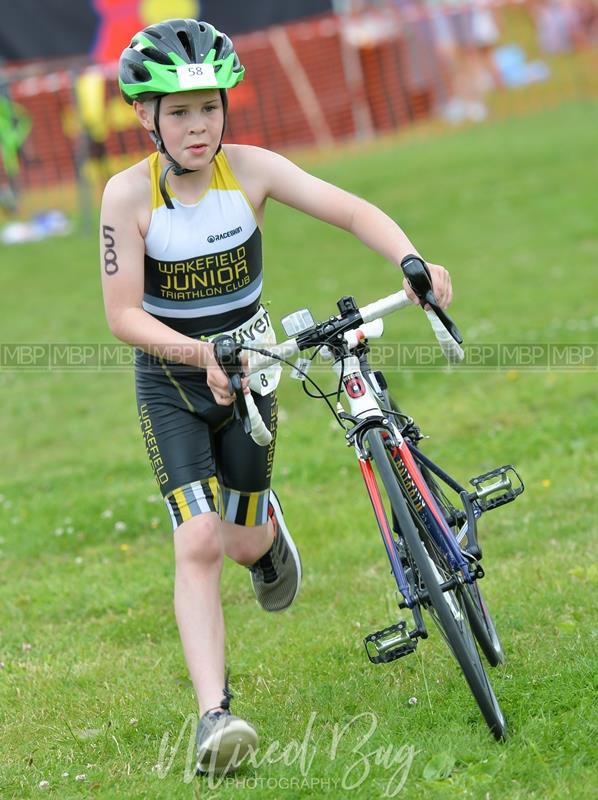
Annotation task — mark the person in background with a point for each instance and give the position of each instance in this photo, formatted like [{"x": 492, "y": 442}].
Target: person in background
[
  {"x": 15, "y": 126},
  {"x": 90, "y": 93},
  {"x": 562, "y": 24},
  {"x": 466, "y": 35}
]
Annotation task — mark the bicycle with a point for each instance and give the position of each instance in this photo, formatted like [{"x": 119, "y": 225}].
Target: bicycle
[{"x": 427, "y": 519}]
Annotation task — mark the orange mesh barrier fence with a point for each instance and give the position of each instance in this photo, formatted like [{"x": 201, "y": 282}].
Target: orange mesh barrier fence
[{"x": 317, "y": 82}]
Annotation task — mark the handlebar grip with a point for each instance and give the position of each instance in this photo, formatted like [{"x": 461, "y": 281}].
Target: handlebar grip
[
  {"x": 384, "y": 306},
  {"x": 259, "y": 431},
  {"x": 451, "y": 349}
]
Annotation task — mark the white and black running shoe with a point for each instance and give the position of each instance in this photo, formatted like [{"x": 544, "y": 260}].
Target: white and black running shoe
[
  {"x": 223, "y": 741},
  {"x": 276, "y": 576}
]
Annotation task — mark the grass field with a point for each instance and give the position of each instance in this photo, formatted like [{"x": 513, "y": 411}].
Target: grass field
[{"x": 92, "y": 673}]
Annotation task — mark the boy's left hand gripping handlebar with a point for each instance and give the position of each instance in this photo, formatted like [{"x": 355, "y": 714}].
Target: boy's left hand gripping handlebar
[{"x": 227, "y": 353}]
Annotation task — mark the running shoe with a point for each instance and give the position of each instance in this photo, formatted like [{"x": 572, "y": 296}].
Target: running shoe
[
  {"x": 223, "y": 740},
  {"x": 276, "y": 576}
]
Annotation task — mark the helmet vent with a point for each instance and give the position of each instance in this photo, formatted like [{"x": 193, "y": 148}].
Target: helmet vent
[
  {"x": 186, "y": 44},
  {"x": 155, "y": 55},
  {"x": 140, "y": 73}
]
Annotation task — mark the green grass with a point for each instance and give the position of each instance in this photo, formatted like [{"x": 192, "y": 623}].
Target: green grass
[{"x": 93, "y": 675}]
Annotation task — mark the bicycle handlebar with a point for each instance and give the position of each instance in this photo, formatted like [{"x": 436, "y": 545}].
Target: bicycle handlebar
[
  {"x": 370, "y": 313},
  {"x": 328, "y": 333},
  {"x": 450, "y": 347}
]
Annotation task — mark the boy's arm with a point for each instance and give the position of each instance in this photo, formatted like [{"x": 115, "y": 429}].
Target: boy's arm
[{"x": 289, "y": 184}]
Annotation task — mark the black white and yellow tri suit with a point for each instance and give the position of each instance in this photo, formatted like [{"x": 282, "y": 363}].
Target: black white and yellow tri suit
[{"x": 203, "y": 275}]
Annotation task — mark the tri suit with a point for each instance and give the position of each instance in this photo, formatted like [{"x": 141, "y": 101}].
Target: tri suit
[{"x": 203, "y": 276}]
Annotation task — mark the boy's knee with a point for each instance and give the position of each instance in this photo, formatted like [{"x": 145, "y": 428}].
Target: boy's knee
[{"x": 199, "y": 541}]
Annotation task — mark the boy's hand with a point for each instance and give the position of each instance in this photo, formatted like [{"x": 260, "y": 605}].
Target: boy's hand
[
  {"x": 441, "y": 286},
  {"x": 218, "y": 379}
]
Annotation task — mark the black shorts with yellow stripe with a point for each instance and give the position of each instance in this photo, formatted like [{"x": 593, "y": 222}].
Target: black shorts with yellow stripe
[{"x": 201, "y": 457}]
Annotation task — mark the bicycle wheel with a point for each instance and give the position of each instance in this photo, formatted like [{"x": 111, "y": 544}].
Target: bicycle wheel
[
  {"x": 477, "y": 611},
  {"x": 482, "y": 625},
  {"x": 446, "y": 608}
]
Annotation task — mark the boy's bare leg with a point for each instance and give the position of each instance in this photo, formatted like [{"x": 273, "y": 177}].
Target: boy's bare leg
[{"x": 200, "y": 545}]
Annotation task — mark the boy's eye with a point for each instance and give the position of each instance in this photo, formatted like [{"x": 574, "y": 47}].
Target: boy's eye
[{"x": 210, "y": 108}]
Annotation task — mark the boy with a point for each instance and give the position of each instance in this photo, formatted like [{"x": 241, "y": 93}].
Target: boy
[{"x": 180, "y": 238}]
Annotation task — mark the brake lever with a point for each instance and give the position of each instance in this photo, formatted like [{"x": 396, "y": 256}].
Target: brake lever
[
  {"x": 226, "y": 353},
  {"x": 417, "y": 273}
]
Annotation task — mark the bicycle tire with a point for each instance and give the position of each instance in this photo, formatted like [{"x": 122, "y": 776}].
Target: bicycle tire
[
  {"x": 482, "y": 625},
  {"x": 450, "y": 617}
]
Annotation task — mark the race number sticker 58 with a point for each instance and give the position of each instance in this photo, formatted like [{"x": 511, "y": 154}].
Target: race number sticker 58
[{"x": 196, "y": 76}]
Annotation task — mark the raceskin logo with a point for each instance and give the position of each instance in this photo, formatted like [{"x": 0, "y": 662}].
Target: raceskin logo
[
  {"x": 216, "y": 237},
  {"x": 354, "y": 385}
]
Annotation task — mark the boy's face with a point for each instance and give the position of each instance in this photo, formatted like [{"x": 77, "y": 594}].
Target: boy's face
[{"x": 191, "y": 125}]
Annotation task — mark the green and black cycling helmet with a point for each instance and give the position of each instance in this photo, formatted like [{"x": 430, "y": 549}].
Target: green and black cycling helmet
[{"x": 148, "y": 70}]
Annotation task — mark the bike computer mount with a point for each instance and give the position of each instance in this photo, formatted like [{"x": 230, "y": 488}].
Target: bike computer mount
[
  {"x": 300, "y": 324},
  {"x": 297, "y": 322}
]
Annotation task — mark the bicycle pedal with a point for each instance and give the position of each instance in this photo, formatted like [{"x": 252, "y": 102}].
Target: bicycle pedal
[
  {"x": 389, "y": 644},
  {"x": 497, "y": 487}
]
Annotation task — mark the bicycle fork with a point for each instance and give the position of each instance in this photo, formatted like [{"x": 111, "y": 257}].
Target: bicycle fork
[{"x": 396, "y": 640}]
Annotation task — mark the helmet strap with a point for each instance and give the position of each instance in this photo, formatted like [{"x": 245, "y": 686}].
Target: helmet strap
[
  {"x": 224, "y": 98},
  {"x": 156, "y": 138},
  {"x": 176, "y": 168},
  {"x": 163, "y": 190}
]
